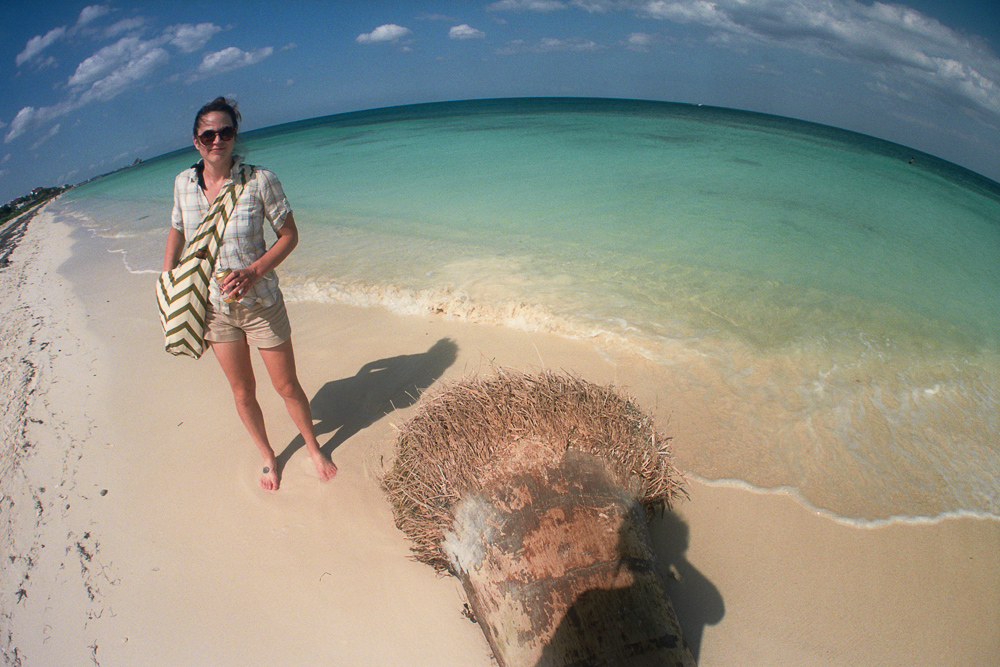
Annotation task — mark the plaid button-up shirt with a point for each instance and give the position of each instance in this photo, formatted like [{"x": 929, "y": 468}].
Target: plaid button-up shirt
[{"x": 243, "y": 242}]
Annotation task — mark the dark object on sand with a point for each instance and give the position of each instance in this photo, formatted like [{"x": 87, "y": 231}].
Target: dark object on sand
[
  {"x": 534, "y": 491},
  {"x": 11, "y": 233}
]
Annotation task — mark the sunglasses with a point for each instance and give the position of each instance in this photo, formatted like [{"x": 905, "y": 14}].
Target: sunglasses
[{"x": 207, "y": 138}]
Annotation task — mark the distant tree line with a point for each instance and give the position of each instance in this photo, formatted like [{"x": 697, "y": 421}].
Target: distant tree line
[{"x": 22, "y": 204}]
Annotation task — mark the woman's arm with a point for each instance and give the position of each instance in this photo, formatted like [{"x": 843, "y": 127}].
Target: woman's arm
[
  {"x": 175, "y": 244},
  {"x": 239, "y": 282}
]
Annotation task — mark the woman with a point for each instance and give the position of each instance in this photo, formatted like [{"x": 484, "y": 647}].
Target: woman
[{"x": 247, "y": 307}]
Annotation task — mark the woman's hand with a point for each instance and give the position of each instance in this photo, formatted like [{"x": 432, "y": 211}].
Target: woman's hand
[{"x": 239, "y": 281}]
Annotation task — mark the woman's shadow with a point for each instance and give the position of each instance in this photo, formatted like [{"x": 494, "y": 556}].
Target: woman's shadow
[
  {"x": 349, "y": 405},
  {"x": 697, "y": 602}
]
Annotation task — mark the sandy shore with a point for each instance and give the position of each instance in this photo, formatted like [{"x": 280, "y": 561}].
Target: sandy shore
[{"x": 136, "y": 533}]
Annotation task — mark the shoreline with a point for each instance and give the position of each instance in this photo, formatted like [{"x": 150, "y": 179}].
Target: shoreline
[
  {"x": 901, "y": 429},
  {"x": 854, "y": 522},
  {"x": 185, "y": 557},
  {"x": 404, "y": 303}
]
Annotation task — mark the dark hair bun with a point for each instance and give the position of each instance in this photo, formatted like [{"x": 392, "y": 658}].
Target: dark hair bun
[{"x": 218, "y": 104}]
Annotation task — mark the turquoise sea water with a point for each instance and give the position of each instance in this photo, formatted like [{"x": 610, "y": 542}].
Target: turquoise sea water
[{"x": 821, "y": 308}]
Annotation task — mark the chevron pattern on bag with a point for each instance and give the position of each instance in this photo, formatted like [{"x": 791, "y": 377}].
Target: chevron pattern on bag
[{"x": 182, "y": 292}]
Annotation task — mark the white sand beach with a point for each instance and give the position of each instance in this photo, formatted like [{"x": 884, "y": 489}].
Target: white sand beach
[{"x": 136, "y": 534}]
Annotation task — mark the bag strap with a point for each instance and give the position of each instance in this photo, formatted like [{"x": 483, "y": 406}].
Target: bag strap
[{"x": 208, "y": 237}]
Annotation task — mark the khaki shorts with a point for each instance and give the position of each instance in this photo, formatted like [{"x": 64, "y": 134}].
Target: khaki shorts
[{"x": 261, "y": 326}]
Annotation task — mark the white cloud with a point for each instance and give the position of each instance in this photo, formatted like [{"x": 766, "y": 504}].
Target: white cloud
[
  {"x": 697, "y": 11},
  {"x": 573, "y": 44},
  {"x": 189, "y": 38},
  {"x": 592, "y": 6},
  {"x": 886, "y": 38},
  {"x": 117, "y": 67},
  {"x": 550, "y": 44},
  {"x": 25, "y": 118},
  {"x": 101, "y": 77},
  {"x": 765, "y": 68},
  {"x": 123, "y": 77},
  {"x": 228, "y": 59},
  {"x": 90, "y": 13},
  {"x": 21, "y": 121},
  {"x": 514, "y": 46},
  {"x": 53, "y": 131},
  {"x": 108, "y": 59},
  {"x": 389, "y": 32},
  {"x": 527, "y": 5},
  {"x": 39, "y": 43},
  {"x": 125, "y": 25},
  {"x": 465, "y": 32},
  {"x": 435, "y": 17},
  {"x": 639, "y": 41},
  {"x": 882, "y": 88}
]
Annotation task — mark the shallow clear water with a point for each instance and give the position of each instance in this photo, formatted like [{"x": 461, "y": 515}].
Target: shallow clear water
[{"x": 821, "y": 308}]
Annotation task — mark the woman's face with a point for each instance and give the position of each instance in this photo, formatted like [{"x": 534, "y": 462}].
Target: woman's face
[{"x": 218, "y": 150}]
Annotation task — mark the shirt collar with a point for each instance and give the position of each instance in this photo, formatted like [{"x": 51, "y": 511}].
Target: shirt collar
[{"x": 199, "y": 170}]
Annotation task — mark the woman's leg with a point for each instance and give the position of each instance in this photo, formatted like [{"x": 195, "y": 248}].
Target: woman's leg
[
  {"x": 280, "y": 364},
  {"x": 234, "y": 358}
]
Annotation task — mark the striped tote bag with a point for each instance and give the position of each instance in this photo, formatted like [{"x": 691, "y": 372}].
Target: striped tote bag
[{"x": 182, "y": 292}]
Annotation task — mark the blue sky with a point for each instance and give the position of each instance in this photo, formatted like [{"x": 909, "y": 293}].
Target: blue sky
[{"x": 91, "y": 87}]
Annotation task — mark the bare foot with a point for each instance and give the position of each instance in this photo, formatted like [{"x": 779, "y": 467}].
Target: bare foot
[
  {"x": 324, "y": 466},
  {"x": 269, "y": 480}
]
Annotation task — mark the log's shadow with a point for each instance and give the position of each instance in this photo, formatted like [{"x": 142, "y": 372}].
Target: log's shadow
[
  {"x": 697, "y": 601},
  {"x": 345, "y": 407}
]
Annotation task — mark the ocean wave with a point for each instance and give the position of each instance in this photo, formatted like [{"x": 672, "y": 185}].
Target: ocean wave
[
  {"x": 128, "y": 267},
  {"x": 449, "y": 304},
  {"x": 614, "y": 332},
  {"x": 854, "y": 522}
]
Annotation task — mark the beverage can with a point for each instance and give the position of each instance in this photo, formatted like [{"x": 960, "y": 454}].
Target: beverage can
[{"x": 220, "y": 275}]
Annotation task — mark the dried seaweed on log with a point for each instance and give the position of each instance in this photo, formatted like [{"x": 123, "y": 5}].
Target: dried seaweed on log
[{"x": 460, "y": 432}]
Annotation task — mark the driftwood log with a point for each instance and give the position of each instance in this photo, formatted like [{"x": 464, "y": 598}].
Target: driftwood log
[{"x": 534, "y": 490}]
